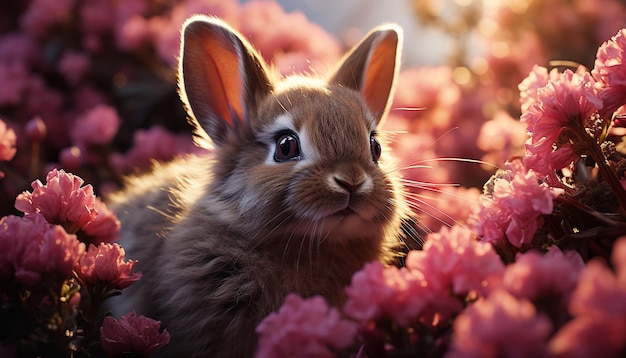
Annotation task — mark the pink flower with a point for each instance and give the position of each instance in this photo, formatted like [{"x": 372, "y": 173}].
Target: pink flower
[
  {"x": 546, "y": 280},
  {"x": 16, "y": 82},
  {"x": 453, "y": 260},
  {"x": 533, "y": 274},
  {"x": 62, "y": 200},
  {"x": 379, "y": 293},
  {"x": 599, "y": 308},
  {"x": 155, "y": 143},
  {"x": 97, "y": 16},
  {"x": 133, "y": 33},
  {"x": 500, "y": 326},
  {"x": 601, "y": 292},
  {"x": 570, "y": 99},
  {"x": 40, "y": 98},
  {"x": 104, "y": 265},
  {"x": 35, "y": 129},
  {"x": 96, "y": 127},
  {"x": 33, "y": 249},
  {"x": 130, "y": 8},
  {"x": 610, "y": 72},
  {"x": 165, "y": 30},
  {"x": 512, "y": 205},
  {"x": 70, "y": 158},
  {"x": 287, "y": 40},
  {"x": 590, "y": 337},
  {"x": 564, "y": 105},
  {"x": 18, "y": 47},
  {"x": 104, "y": 228},
  {"x": 7, "y": 142},
  {"x": 43, "y": 14},
  {"x": 304, "y": 328},
  {"x": 434, "y": 91},
  {"x": 73, "y": 66},
  {"x": 502, "y": 138},
  {"x": 132, "y": 334},
  {"x": 15, "y": 234},
  {"x": 530, "y": 86}
]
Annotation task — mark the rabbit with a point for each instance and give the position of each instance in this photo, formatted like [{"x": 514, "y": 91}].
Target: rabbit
[{"x": 296, "y": 194}]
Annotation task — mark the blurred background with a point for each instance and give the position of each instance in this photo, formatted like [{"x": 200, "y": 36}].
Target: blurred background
[
  {"x": 350, "y": 19},
  {"x": 90, "y": 86}
]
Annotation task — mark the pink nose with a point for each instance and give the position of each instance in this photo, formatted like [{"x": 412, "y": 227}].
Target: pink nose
[{"x": 348, "y": 186}]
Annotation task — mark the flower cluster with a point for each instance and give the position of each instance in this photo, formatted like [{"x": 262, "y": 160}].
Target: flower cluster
[
  {"x": 420, "y": 299},
  {"x": 597, "y": 304},
  {"x": 456, "y": 298},
  {"x": 512, "y": 205},
  {"x": 34, "y": 249},
  {"x": 52, "y": 287}
]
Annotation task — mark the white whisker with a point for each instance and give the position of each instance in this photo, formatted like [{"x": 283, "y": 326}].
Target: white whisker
[
  {"x": 427, "y": 185},
  {"x": 417, "y": 203},
  {"x": 462, "y": 160},
  {"x": 407, "y": 109},
  {"x": 434, "y": 188}
]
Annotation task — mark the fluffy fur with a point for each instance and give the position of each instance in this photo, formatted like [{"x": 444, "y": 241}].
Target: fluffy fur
[{"x": 222, "y": 239}]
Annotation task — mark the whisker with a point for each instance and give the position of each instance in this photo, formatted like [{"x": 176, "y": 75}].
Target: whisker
[
  {"x": 270, "y": 223},
  {"x": 309, "y": 232},
  {"x": 564, "y": 63},
  {"x": 404, "y": 162},
  {"x": 312, "y": 237},
  {"x": 462, "y": 160},
  {"x": 274, "y": 227},
  {"x": 407, "y": 109},
  {"x": 401, "y": 109},
  {"x": 415, "y": 166},
  {"x": 417, "y": 202},
  {"x": 409, "y": 229},
  {"x": 322, "y": 240},
  {"x": 443, "y": 218},
  {"x": 286, "y": 249},
  {"x": 300, "y": 252},
  {"x": 435, "y": 189},
  {"x": 425, "y": 185}
]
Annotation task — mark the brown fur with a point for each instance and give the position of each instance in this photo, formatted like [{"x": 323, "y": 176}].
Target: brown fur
[{"x": 221, "y": 240}]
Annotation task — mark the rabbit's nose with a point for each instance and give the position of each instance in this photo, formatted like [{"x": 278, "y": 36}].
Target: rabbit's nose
[{"x": 349, "y": 186}]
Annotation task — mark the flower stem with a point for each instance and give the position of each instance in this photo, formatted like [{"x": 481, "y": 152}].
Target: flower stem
[{"x": 607, "y": 173}]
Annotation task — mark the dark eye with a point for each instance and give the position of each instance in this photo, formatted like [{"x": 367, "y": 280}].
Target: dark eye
[
  {"x": 375, "y": 148},
  {"x": 287, "y": 148}
]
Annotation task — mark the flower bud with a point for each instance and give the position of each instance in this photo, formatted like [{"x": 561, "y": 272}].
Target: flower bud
[{"x": 36, "y": 129}]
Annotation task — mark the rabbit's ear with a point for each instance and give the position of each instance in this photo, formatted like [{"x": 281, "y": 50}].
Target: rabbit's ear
[
  {"x": 371, "y": 68},
  {"x": 221, "y": 77}
]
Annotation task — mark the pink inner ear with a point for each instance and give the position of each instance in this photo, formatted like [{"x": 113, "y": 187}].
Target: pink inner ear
[
  {"x": 216, "y": 64},
  {"x": 379, "y": 77}
]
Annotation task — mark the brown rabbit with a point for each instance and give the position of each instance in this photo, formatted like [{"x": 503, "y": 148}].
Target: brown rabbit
[{"x": 295, "y": 197}]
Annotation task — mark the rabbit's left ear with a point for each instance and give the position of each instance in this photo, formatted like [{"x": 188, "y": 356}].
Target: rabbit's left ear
[
  {"x": 221, "y": 77},
  {"x": 371, "y": 68}
]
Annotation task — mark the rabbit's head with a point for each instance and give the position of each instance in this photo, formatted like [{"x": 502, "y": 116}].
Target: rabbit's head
[{"x": 297, "y": 160}]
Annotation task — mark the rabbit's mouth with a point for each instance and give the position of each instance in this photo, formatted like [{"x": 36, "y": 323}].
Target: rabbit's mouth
[{"x": 345, "y": 212}]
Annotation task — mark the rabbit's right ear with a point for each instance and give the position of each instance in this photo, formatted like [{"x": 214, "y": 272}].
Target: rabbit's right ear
[
  {"x": 371, "y": 68},
  {"x": 221, "y": 77}
]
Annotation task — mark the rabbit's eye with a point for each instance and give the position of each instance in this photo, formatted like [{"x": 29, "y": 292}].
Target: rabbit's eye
[
  {"x": 375, "y": 148},
  {"x": 287, "y": 148}
]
